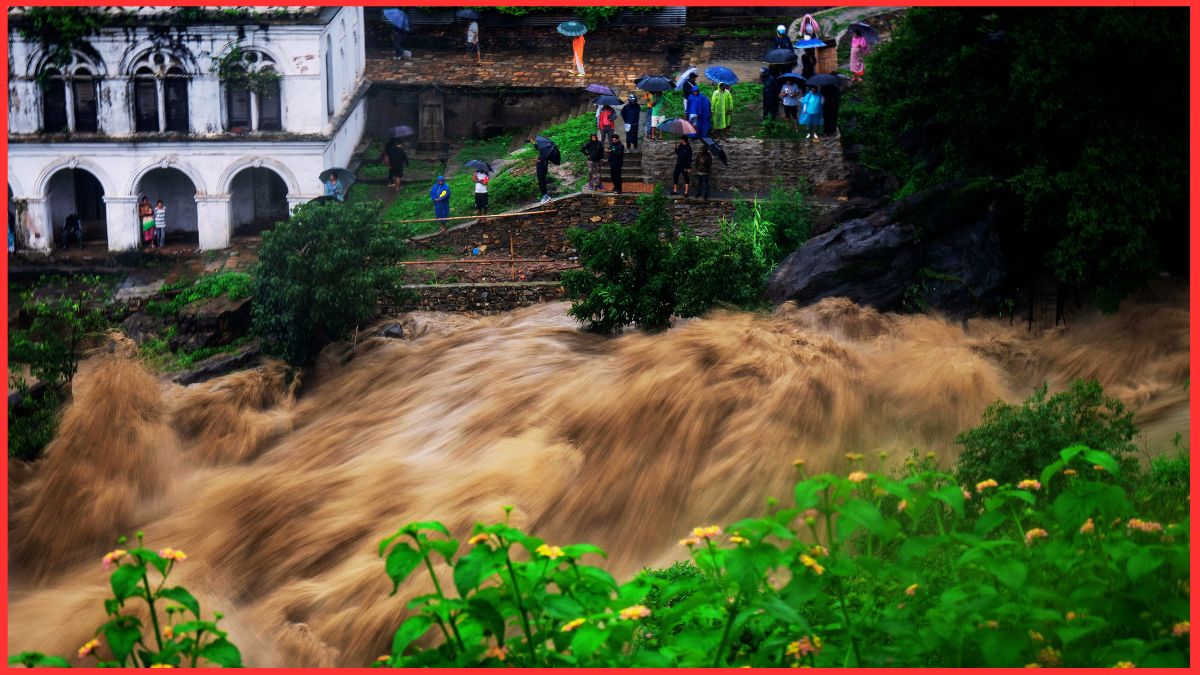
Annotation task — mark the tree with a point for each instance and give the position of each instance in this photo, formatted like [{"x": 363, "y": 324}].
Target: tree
[
  {"x": 321, "y": 274},
  {"x": 1087, "y": 139}
]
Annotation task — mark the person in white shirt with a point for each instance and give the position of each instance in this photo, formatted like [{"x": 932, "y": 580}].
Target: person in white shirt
[
  {"x": 481, "y": 192},
  {"x": 473, "y": 42}
]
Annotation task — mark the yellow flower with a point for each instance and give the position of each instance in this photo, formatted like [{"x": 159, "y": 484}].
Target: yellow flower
[
  {"x": 902, "y": 505},
  {"x": 1181, "y": 628},
  {"x": 990, "y": 623},
  {"x": 1069, "y": 472},
  {"x": 797, "y": 463},
  {"x": 383, "y": 659},
  {"x": 738, "y": 539},
  {"x": 709, "y": 532},
  {"x": 168, "y": 632},
  {"x": 1097, "y": 467},
  {"x": 1071, "y": 616},
  {"x": 88, "y": 647},
  {"x": 635, "y": 612},
  {"x": 810, "y": 516},
  {"x": 1124, "y": 664},
  {"x": 804, "y": 646},
  {"x": 572, "y": 625},
  {"x": 479, "y": 539},
  {"x": 813, "y": 565},
  {"x": 818, "y": 549},
  {"x": 689, "y": 542},
  {"x": 551, "y": 552},
  {"x": 1049, "y": 657},
  {"x": 1088, "y": 527},
  {"x": 858, "y": 477},
  {"x": 911, "y": 590},
  {"x": 1144, "y": 525},
  {"x": 162, "y": 665},
  {"x": 883, "y": 456},
  {"x": 1036, "y": 636},
  {"x": 985, "y": 484},
  {"x": 966, "y": 495},
  {"x": 496, "y": 652},
  {"x": 854, "y": 456},
  {"x": 1032, "y": 665},
  {"x": 172, "y": 554},
  {"x": 1029, "y": 484},
  {"x": 1034, "y": 534},
  {"x": 112, "y": 557}
]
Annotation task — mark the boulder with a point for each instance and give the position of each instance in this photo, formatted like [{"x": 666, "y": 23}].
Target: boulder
[
  {"x": 220, "y": 364},
  {"x": 938, "y": 249},
  {"x": 211, "y": 323}
]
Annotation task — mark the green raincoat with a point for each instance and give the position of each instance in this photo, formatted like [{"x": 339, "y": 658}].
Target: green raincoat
[{"x": 722, "y": 109}]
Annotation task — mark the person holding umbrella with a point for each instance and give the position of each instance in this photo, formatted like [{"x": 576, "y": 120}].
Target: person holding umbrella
[
  {"x": 703, "y": 168},
  {"x": 631, "y": 114},
  {"x": 472, "y": 36},
  {"x": 606, "y": 123},
  {"x": 790, "y": 95},
  {"x": 594, "y": 151},
  {"x": 439, "y": 194},
  {"x": 830, "y": 87},
  {"x": 683, "y": 162},
  {"x": 334, "y": 188},
  {"x": 722, "y": 109},
  {"x": 399, "y": 22},
  {"x": 616, "y": 159},
  {"x": 397, "y": 159},
  {"x": 481, "y": 179}
]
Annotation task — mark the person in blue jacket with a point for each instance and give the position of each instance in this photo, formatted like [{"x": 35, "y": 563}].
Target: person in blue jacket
[
  {"x": 700, "y": 113},
  {"x": 439, "y": 194}
]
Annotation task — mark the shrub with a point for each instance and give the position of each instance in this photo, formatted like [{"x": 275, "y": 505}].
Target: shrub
[
  {"x": 1012, "y": 441},
  {"x": 48, "y": 350},
  {"x": 627, "y": 277},
  {"x": 321, "y": 274},
  {"x": 861, "y": 570},
  {"x": 178, "y": 640},
  {"x": 730, "y": 268},
  {"x": 234, "y": 285}
]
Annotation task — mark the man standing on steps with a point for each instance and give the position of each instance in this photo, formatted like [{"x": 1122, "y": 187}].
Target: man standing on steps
[
  {"x": 683, "y": 162},
  {"x": 594, "y": 150},
  {"x": 631, "y": 113},
  {"x": 616, "y": 159}
]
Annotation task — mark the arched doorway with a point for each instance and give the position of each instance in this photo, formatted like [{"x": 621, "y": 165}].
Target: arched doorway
[
  {"x": 77, "y": 192},
  {"x": 178, "y": 194},
  {"x": 257, "y": 200}
]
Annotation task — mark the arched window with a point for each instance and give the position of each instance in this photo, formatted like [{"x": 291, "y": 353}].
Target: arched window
[
  {"x": 252, "y": 95},
  {"x": 160, "y": 94},
  {"x": 70, "y": 97}
]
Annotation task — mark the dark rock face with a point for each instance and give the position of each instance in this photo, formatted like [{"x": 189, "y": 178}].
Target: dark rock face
[
  {"x": 220, "y": 364},
  {"x": 394, "y": 331},
  {"x": 939, "y": 249},
  {"x": 213, "y": 323}
]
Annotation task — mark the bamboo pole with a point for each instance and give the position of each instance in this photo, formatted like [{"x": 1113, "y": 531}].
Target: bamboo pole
[
  {"x": 498, "y": 215},
  {"x": 512, "y": 257},
  {"x": 467, "y": 261}
]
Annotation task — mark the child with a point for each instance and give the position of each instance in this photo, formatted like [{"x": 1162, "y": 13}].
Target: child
[
  {"x": 160, "y": 225},
  {"x": 812, "y": 113}
]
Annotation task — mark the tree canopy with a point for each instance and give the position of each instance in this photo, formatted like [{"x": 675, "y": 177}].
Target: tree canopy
[{"x": 1077, "y": 114}]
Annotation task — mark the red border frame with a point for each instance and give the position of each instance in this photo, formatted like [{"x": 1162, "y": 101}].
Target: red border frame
[{"x": 1194, "y": 220}]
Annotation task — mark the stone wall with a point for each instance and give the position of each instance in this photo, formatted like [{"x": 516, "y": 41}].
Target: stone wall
[
  {"x": 483, "y": 298},
  {"x": 755, "y": 164},
  {"x": 544, "y": 234}
]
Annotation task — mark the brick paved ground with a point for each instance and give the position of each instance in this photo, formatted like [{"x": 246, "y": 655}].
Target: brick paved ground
[{"x": 512, "y": 69}]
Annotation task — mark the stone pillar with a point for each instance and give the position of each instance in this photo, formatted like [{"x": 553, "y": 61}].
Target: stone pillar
[
  {"x": 214, "y": 221},
  {"x": 38, "y": 233},
  {"x": 432, "y": 127},
  {"x": 121, "y": 217}
]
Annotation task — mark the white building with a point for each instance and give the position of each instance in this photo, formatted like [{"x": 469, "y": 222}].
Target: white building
[{"x": 141, "y": 110}]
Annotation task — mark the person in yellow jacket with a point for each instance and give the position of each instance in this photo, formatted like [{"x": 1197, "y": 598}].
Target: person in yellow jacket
[{"x": 722, "y": 110}]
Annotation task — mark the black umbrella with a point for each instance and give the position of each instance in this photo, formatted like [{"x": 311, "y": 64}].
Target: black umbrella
[
  {"x": 792, "y": 76},
  {"x": 345, "y": 176},
  {"x": 479, "y": 165},
  {"x": 543, "y": 142},
  {"x": 824, "y": 80},
  {"x": 780, "y": 56},
  {"x": 547, "y": 150},
  {"x": 654, "y": 83},
  {"x": 868, "y": 32},
  {"x": 600, "y": 89},
  {"x": 716, "y": 149},
  {"x": 468, "y": 14},
  {"x": 402, "y": 131},
  {"x": 607, "y": 100}
]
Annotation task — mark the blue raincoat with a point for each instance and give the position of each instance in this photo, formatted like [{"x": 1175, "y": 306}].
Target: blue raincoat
[
  {"x": 440, "y": 195},
  {"x": 700, "y": 107}
]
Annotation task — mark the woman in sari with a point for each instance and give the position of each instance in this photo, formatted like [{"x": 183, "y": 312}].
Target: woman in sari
[
  {"x": 146, "y": 220},
  {"x": 858, "y": 50}
]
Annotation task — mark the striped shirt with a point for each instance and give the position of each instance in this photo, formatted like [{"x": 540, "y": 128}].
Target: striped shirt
[{"x": 160, "y": 216}]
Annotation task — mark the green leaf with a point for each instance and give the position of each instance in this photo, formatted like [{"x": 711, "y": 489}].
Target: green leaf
[
  {"x": 1143, "y": 562},
  {"x": 1050, "y": 471},
  {"x": 223, "y": 653},
  {"x": 478, "y": 564},
  {"x": 1009, "y": 571},
  {"x": 587, "y": 640},
  {"x": 863, "y": 514},
  {"x": 412, "y": 629},
  {"x": 562, "y": 607},
  {"x": 780, "y": 609},
  {"x": 446, "y": 547},
  {"x": 807, "y": 494},
  {"x": 951, "y": 495},
  {"x": 1070, "y": 453},
  {"x": 486, "y": 614},
  {"x": 38, "y": 660},
  {"x": 401, "y": 561},
  {"x": 121, "y": 635},
  {"x": 1102, "y": 459},
  {"x": 432, "y": 525},
  {"x": 579, "y": 550},
  {"x": 182, "y": 596},
  {"x": 125, "y": 580}
]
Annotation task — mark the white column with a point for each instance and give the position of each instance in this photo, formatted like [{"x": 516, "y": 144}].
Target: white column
[
  {"x": 214, "y": 221},
  {"x": 253, "y": 111},
  {"x": 161, "y": 89},
  {"x": 121, "y": 217},
  {"x": 294, "y": 201},
  {"x": 69, "y": 88},
  {"x": 39, "y": 234}
]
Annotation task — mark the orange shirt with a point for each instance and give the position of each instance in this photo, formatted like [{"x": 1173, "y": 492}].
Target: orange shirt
[{"x": 577, "y": 45}]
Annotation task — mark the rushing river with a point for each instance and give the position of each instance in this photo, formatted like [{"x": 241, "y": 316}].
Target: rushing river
[{"x": 279, "y": 494}]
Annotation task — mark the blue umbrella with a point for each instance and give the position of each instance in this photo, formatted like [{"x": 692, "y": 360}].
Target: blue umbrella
[
  {"x": 468, "y": 14},
  {"x": 805, "y": 44},
  {"x": 572, "y": 28},
  {"x": 721, "y": 75},
  {"x": 397, "y": 17},
  {"x": 683, "y": 77}
]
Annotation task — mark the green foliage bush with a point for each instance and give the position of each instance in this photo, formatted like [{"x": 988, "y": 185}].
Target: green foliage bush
[
  {"x": 234, "y": 285},
  {"x": 1101, "y": 200},
  {"x": 58, "y": 319},
  {"x": 730, "y": 268},
  {"x": 1012, "y": 441},
  {"x": 173, "y": 639},
  {"x": 321, "y": 274},
  {"x": 860, "y": 570}
]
